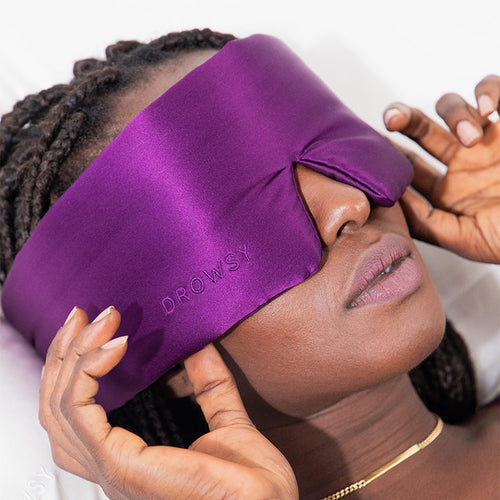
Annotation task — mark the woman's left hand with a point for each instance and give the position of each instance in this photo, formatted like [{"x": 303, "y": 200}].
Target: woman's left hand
[
  {"x": 464, "y": 211},
  {"x": 233, "y": 460}
]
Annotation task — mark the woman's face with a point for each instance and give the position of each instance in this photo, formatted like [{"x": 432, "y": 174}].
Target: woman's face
[
  {"x": 308, "y": 348},
  {"x": 313, "y": 345}
]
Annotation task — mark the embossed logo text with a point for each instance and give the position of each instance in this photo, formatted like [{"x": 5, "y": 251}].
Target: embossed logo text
[{"x": 231, "y": 262}]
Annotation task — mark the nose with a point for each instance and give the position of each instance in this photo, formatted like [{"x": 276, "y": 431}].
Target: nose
[{"x": 335, "y": 207}]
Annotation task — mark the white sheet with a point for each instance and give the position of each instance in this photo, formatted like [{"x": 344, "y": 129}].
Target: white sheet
[
  {"x": 470, "y": 294},
  {"x": 27, "y": 470}
]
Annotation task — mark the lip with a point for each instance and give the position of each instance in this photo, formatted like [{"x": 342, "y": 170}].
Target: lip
[{"x": 370, "y": 285}]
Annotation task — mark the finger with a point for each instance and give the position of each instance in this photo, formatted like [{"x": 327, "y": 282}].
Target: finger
[
  {"x": 426, "y": 179},
  {"x": 88, "y": 419},
  {"x": 436, "y": 226},
  {"x": 102, "y": 329},
  {"x": 67, "y": 462},
  {"x": 411, "y": 122},
  {"x": 92, "y": 335},
  {"x": 215, "y": 389},
  {"x": 488, "y": 94},
  {"x": 462, "y": 119},
  {"x": 76, "y": 320},
  {"x": 55, "y": 357}
]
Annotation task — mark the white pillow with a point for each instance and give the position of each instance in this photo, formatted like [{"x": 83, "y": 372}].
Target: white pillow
[
  {"x": 470, "y": 294},
  {"x": 26, "y": 466}
]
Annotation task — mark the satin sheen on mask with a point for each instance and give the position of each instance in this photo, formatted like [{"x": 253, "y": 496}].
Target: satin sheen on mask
[{"x": 191, "y": 219}]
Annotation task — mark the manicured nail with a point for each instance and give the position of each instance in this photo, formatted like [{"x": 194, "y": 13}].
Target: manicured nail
[
  {"x": 70, "y": 315},
  {"x": 115, "y": 342},
  {"x": 390, "y": 113},
  {"x": 485, "y": 105},
  {"x": 43, "y": 371},
  {"x": 103, "y": 314},
  {"x": 466, "y": 132}
]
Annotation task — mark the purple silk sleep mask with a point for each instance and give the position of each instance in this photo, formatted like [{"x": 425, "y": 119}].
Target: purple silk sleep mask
[{"x": 191, "y": 219}]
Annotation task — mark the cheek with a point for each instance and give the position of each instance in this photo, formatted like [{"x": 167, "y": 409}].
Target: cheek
[
  {"x": 272, "y": 353},
  {"x": 300, "y": 353}
]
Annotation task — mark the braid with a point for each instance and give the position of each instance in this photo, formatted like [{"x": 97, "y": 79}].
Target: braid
[
  {"x": 14, "y": 131},
  {"x": 23, "y": 112},
  {"x": 66, "y": 127},
  {"x": 58, "y": 133},
  {"x": 445, "y": 380}
]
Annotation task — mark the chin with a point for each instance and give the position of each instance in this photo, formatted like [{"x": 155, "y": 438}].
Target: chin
[
  {"x": 418, "y": 334},
  {"x": 393, "y": 338}
]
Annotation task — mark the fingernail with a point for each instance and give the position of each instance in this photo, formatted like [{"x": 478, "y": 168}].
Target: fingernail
[
  {"x": 466, "y": 132},
  {"x": 391, "y": 113},
  {"x": 485, "y": 105},
  {"x": 103, "y": 314},
  {"x": 43, "y": 371},
  {"x": 115, "y": 342},
  {"x": 70, "y": 315}
]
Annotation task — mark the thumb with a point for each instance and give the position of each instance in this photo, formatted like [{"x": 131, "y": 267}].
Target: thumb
[
  {"x": 434, "y": 225},
  {"x": 215, "y": 389}
]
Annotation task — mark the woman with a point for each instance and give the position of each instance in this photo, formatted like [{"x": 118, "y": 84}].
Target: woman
[{"x": 338, "y": 407}]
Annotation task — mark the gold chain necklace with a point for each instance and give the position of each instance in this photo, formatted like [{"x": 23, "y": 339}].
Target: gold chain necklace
[{"x": 389, "y": 465}]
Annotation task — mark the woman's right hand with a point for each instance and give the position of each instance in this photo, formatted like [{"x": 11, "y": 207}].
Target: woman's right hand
[
  {"x": 232, "y": 461},
  {"x": 459, "y": 209}
]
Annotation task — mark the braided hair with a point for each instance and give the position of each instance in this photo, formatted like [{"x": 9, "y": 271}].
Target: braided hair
[{"x": 49, "y": 139}]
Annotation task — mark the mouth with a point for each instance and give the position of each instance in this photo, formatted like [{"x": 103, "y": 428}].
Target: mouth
[{"x": 388, "y": 271}]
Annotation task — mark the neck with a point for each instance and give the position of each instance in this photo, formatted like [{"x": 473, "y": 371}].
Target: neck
[{"x": 341, "y": 445}]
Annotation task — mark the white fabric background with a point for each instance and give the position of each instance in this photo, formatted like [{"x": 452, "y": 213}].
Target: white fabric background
[{"x": 370, "y": 53}]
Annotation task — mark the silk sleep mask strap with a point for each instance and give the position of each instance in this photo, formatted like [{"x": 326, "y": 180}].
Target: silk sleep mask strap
[{"x": 191, "y": 219}]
